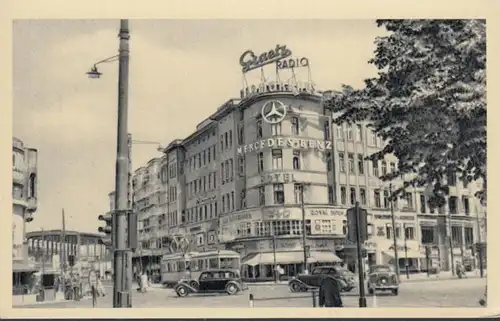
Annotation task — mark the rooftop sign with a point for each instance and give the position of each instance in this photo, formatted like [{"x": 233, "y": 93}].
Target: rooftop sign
[{"x": 249, "y": 60}]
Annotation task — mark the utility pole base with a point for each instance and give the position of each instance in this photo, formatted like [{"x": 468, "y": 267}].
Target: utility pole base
[{"x": 362, "y": 302}]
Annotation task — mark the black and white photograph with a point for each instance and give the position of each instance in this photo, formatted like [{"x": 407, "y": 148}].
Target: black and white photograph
[{"x": 210, "y": 163}]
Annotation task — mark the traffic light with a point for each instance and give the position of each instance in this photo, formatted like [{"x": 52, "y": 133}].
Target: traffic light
[
  {"x": 109, "y": 229},
  {"x": 352, "y": 223}
]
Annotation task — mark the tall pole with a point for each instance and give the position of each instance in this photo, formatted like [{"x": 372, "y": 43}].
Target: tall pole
[
  {"x": 361, "y": 275},
  {"x": 63, "y": 244},
  {"x": 303, "y": 227},
  {"x": 450, "y": 242},
  {"x": 407, "y": 268},
  {"x": 43, "y": 258},
  {"x": 394, "y": 241},
  {"x": 274, "y": 258},
  {"x": 121, "y": 290},
  {"x": 130, "y": 272}
]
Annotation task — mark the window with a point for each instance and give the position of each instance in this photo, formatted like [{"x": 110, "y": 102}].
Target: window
[
  {"x": 276, "y": 129},
  {"x": 456, "y": 235},
  {"x": 423, "y": 206},
  {"x": 226, "y": 140},
  {"x": 243, "y": 199},
  {"x": 279, "y": 194},
  {"x": 340, "y": 132},
  {"x": 260, "y": 162},
  {"x": 222, "y": 172},
  {"x": 241, "y": 134},
  {"x": 331, "y": 197},
  {"x": 427, "y": 234},
  {"x": 375, "y": 168},
  {"x": 277, "y": 158},
  {"x": 452, "y": 178},
  {"x": 393, "y": 167},
  {"x": 204, "y": 157},
  {"x": 341, "y": 162},
  {"x": 349, "y": 132},
  {"x": 469, "y": 235},
  {"x": 344, "y": 227},
  {"x": 259, "y": 128},
  {"x": 373, "y": 138},
  {"x": 453, "y": 204},
  {"x": 221, "y": 143},
  {"x": 231, "y": 170},
  {"x": 209, "y": 155},
  {"x": 230, "y": 138},
  {"x": 361, "y": 164},
  {"x": 397, "y": 231},
  {"x": 343, "y": 195},
  {"x": 351, "y": 163},
  {"x": 362, "y": 195},
  {"x": 388, "y": 231},
  {"x": 376, "y": 196},
  {"x": 297, "y": 192},
  {"x": 353, "y": 195},
  {"x": 326, "y": 130},
  {"x": 232, "y": 201},
  {"x": 295, "y": 125},
  {"x": 359, "y": 133},
  {"x": 223, "y": 203},
  {"x": 465, "y": 204},
  {"x": 241, "y": 165},
  {"x": 384, "y": 167},
  {"x": 329, "y": 164},
  {"x": 296, "y": 159},
  {"x": 262, "y": 195},
  {"x": 227, "y": 171},
  {"x": 409, "y": 200},
  {"x": 409, "y": 232}
]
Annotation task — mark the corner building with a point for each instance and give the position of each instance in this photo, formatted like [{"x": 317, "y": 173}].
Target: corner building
[{"x": 236, "y": 183}]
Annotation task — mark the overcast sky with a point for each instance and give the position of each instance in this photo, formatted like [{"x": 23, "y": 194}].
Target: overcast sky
[{"x": 181, "y": 71}]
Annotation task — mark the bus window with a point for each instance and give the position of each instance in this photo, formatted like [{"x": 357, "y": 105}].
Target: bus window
[
  {"x": 213, "y": 263},
  {"x": 229, "y": 263}
]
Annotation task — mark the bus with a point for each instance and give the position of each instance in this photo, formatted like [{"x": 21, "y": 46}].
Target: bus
[{"x": 177, "y": 266}]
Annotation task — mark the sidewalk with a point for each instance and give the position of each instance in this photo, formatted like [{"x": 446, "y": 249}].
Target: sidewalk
[{"x": 32, "y": 301}]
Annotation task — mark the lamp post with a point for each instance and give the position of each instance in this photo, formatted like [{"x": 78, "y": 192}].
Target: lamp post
[
  {"x": 122, "y": 260},
  {"x": 304, "y": 239},
  {"x": 407, "y": 268},
  {"x": 394, "y": 241}
]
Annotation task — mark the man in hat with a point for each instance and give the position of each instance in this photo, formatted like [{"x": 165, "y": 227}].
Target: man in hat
[{"x": 329, "y": 292}]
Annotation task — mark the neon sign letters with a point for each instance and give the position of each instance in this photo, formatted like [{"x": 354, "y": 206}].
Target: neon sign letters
[
  {"x": 249, "y": 60},
  {"x": 292, "y": 63}
]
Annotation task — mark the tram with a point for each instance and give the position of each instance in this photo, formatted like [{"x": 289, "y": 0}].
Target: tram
[{"x": 178, "y": 266}]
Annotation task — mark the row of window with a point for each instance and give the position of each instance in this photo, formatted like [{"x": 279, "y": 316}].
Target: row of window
[
  {"x": 201, "y": 213},
  {"x": 227, "y": 171},
  {"x": 279, "y": 194},
  {"x": 202, "y": 184},
  {"x": 228, "y": 202},
  {"x": 275, "y": 129},
  {"x": 429, "y": 235},
  {"x": 226, "y": 140},
  {"x": 202, "y": 159},
  {"x": 277, "y": 160}
]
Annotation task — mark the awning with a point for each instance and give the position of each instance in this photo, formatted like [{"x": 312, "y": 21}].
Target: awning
[
  {"x": 21, "y": 267},
  {"x": 401, "y": 254},
  {"x": 290, "y": 258}
]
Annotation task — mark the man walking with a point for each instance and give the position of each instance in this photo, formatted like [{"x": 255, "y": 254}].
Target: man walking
[{"x": 329, "y": 293}]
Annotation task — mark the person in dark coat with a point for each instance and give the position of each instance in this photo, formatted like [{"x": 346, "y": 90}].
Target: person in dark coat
[{"x": 329, "y": 293}]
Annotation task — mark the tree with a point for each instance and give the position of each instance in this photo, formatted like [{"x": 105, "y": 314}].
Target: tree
[{"x": 428, "y": 101}]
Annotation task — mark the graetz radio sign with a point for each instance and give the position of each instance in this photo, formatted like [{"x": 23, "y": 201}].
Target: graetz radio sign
[{"x": 249, "y": 60}]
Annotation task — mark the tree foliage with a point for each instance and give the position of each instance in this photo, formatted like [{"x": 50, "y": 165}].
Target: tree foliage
[{"x": 428, "y": 101}]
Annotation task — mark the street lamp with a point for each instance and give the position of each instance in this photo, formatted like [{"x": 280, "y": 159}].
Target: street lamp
[
  {"x": 406, "y": 253},
  {"x": 125, "y": 238}
]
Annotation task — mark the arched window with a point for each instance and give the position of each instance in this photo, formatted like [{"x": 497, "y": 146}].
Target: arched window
[{"x": 32, "y": 185}]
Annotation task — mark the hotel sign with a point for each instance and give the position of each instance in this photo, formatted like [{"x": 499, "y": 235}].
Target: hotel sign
[
  {"x": 277, "y": 178},
  {"x": 249, "y": 60},
  {"x": 327, "y": 212},
  {"x": 286, "y": 143}
]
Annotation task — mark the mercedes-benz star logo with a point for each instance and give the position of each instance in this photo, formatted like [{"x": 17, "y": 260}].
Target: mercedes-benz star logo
[{"x": 273, "y": 111}]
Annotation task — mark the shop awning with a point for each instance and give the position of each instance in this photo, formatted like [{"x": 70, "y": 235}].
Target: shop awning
[
  {"x": 291, "y": 258},
  {"x": 401, "y": 254}
]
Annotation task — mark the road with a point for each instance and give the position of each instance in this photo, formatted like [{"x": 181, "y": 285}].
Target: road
[{"x": 439, "y": 293}]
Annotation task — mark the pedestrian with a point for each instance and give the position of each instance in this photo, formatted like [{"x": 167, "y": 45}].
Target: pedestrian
[
  {"x": 329, "y": 293},
  {"x": 100, "y": 288},
  {"x": 144, "y": 282}
]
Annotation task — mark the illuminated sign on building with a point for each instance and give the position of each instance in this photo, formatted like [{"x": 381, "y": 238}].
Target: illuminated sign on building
[
  {"x": 292, "y": 63},
  {"x": 249, "y": 60},
  {"x": 286, "y": 143}
]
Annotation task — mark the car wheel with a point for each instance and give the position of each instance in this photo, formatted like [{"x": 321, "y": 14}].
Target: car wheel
[
  {"x": 295, "y": 286},
  {"x": 182, "y": 291},
  {"x": 193, "y": 284},
  {"x": 231, "y": 289},
  {"x": 395, "y": 291}
]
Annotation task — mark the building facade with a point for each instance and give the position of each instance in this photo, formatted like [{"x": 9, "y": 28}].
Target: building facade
[
  {"x": 237, "y": 183},
  {"x": 24, "y": 196},
  {"x": 76, "y": 251}
]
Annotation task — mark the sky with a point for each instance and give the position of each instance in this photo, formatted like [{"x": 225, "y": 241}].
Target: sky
[{"x": 181, "y": 71}]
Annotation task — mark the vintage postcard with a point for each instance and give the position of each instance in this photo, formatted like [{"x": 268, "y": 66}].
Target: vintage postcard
[{"x": 240, "y": 164}]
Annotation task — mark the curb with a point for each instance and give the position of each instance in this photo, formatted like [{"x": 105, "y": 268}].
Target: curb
[{"x": 49, "y": 302}]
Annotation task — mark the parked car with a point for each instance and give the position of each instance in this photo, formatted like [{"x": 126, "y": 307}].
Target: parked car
[
  {"x": 382, "y": 278},
  {"x": 212, "y": 281},
  {"x": 304, "y": 282}
]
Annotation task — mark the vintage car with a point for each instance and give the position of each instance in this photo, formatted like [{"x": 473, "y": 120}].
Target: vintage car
[
  {"x": 304, "y": 282},
  {"x": 212, "y": 281},
  {"x": 382, "y": 278}
]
